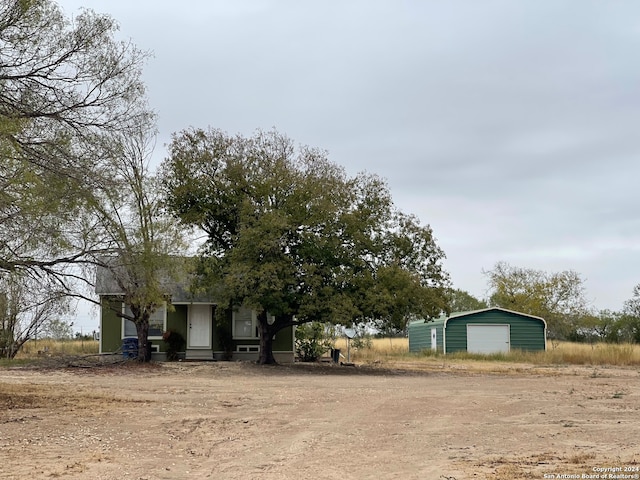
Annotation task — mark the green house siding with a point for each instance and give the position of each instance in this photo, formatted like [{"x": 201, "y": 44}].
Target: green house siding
[
  {"x": 177, "y": 320},
  {"x": 221, "y": 330},
  {"x": 110, "y": 326},
  {"x": 283, "y": 341}
]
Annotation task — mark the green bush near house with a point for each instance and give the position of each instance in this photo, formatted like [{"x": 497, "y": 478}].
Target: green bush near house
[
  {"x": 313, "y": 340},
  {"x": 174, "y": 342}
]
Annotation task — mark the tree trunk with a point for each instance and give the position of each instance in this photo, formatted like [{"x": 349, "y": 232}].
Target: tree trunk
[
  {"x": 15, "y": 347},
  {"x": 266, "y": 332},
  {"x": 142, "y": 328}
]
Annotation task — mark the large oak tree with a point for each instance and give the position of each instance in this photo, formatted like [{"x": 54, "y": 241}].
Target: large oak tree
[
  {"x": 141, "y": 244},
  {"x": 290, "y": 233}
]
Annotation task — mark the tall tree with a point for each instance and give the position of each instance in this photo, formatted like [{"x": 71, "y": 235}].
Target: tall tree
[
  {"x": 64, "y": 86},
  {"x": 291, "y": 235},
  {"x": 69, "y": 92},
  {"x": 556, "y": 297},
  {"x": 138, "y": 238}
]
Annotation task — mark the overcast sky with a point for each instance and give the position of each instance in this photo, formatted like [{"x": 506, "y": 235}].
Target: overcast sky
[{"x": 511, "y": 127}]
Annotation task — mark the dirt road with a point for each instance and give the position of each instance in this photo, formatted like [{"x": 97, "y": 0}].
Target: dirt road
[{"x": 240, "y": 421}]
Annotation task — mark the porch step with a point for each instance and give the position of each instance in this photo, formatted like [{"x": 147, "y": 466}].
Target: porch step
[{"x": 199, "y": 355}]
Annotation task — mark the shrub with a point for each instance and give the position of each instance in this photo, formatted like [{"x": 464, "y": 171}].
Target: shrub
[
  {"x": 313, "y": 340},
  {"x": 364, "y": 342},
  {"x": 363, "y": 339},
  {"x": 175, "y": 343}
]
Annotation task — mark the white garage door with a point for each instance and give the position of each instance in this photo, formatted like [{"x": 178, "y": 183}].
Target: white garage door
[{"x": 488, "y": 338}]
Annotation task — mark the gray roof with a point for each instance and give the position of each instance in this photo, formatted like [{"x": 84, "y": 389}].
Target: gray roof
[{"x": 176, "y": 280}]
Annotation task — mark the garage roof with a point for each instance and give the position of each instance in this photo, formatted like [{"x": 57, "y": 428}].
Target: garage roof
[
  {"x": 444, "y": 319},
  {"x": 473, "y": 312}
]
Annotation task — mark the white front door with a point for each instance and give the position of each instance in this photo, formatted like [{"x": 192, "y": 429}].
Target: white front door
[
  {"x": 199, "y": 331},
  {"x": 434, "y": 339}
]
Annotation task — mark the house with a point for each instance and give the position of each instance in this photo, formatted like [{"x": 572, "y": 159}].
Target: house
[
  {"x": 489, "y": 330},
  {"x": 192, "y": 316}
]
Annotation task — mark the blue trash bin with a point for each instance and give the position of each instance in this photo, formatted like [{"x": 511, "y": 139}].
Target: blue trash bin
[{"x": 130, "y": 347}]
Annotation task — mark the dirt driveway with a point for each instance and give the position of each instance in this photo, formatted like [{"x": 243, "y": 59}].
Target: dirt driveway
[{"x": 240, "y": 421}]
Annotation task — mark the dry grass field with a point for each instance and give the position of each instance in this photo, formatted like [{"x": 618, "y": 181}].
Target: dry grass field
[
  {"x": 35, "y": 348},
  {"x": 392, "y": 350},
  {"x": 558, "y": 353},
  {"x": 392, "y": 415}
]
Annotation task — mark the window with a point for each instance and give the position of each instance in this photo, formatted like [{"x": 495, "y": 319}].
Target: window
[
  {"x": 157, "y": 323},
  {"x": 245, "y": 323},
  {"x": 129, "y": 327}
]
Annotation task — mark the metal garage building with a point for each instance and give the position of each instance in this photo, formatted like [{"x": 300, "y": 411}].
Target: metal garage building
[{"x": 490, "y": 330}]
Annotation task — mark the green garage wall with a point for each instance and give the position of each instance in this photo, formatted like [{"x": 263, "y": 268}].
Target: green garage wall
[
  {"x": 526, "y": 332},
  {"x": 420, "y": 335}
]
